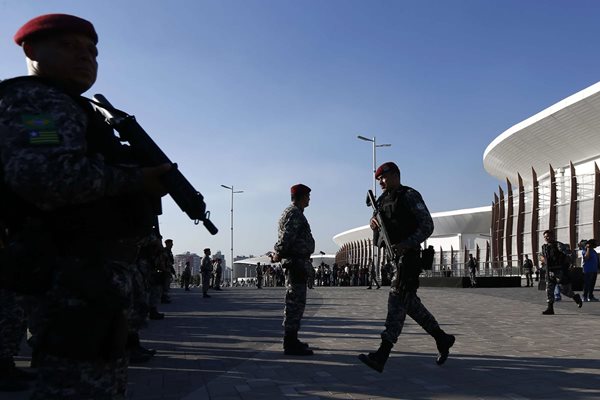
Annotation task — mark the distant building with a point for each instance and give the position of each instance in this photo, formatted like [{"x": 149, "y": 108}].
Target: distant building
[
  {"x": 549, "y": 163},
  {"x": 246, "y": 267},
  {"x": 181, "y": 259}
]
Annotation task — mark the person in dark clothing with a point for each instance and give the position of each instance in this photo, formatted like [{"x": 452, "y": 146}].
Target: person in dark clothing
[
  {"x": 408, "y": 223},
  {"x": 528, "y": 271},
  {"x": 556, "y": 257},
  {"x": 372, "y": 274},
  {"x": 472, "y": 266},
  {"x": 590, "y": 268}
]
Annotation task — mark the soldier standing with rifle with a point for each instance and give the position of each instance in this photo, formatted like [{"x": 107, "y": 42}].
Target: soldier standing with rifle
[
  {"x": 76, "y": 199},
  {"x": 294, "y": 246},
  {"x": 401, "y": 223},
  {"x": 78, "y": 206}
]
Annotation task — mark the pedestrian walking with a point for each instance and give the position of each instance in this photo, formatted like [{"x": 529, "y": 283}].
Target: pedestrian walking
[
  {"x": 557, "y": 258},
  {"x": 406, "y": 219}
]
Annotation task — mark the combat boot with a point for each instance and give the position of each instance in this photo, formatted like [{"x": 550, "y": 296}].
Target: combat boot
[
  {"x": 549, "y": 310},
  {"x": 577, "y": 299},
  {"x": 137, "y": 353},
  {"x": 10, "y": 381},
  {"x": 155, "y": 315},
  {"x": 136, "y": 356},
  {"x": 378, "y": 359},
  {"x": 293, "y": 347},
  {"x": 443, "y": 342}
]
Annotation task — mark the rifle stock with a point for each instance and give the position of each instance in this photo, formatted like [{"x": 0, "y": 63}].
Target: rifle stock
[{"x": 149, "y": 154}]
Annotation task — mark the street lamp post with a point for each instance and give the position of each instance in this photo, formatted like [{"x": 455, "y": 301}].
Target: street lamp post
[
  {"x": 232, "y": 193},
  {"x": 376, "y": 258},
  {"x": 375, "y": 146}
]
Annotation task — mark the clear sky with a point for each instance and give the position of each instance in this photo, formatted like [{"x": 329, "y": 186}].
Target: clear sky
[{"x": 264, "y": 94}]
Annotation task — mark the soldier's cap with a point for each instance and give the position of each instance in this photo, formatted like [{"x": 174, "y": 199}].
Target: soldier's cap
[
  {"x": 386, "y": 167},
  {"x": 55, "y": 23},
  {"x": 169, "y": 241},
  {"x": 299, "y": 190},
  {"x": 206, "y": 250}
]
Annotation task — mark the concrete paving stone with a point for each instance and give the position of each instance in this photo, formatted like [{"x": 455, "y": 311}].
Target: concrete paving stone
[
  {"x": 231, "y": 349},
  {"x": 243, "y": 388},
  {"x": 223, "y": 398}
]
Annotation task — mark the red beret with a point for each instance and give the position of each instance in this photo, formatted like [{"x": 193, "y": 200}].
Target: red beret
[
  {"x": 299, "y": 190},
  {"x": 386, "y": 167},
  {"x": 55, "y": 23}
]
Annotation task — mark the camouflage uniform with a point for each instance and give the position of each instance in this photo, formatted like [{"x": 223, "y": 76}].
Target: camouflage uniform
[
  {"x": 13, "y": 325},
  {"x": 259, "y": 276},
  {"x": 218, "y": 275},
  {"x": 140, "y": 283},
  {"x": 206, "y": 271},
  {"x": 13, "y": 328},
  {"x": 408, "y": 222},
  {"x": 556, "y": 255},
  {"x": 295, "y": 244},
  {"x": 72, "y": 176},
  {"x": 159, "y": 266},
  {"x": 168, "y": 275}
]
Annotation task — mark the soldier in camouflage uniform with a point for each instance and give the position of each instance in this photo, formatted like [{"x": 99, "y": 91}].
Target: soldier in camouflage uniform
[
  {"x": 157, "y": 260},
  {"x": 139, "y": 311},
  {"x": 259, "y": 276},
  {"x": 206, "y": 271},
  {"x": 170, "y": 271},
  {"x": 78, "y": 200},
  {"x": 218, "y": 274},
  {"x": 294, "y": 247},
  {"x": 408, "y": 224},
  {"x": 557, "y": 258}
]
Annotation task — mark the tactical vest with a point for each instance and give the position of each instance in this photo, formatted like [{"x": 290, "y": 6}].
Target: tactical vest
[
  {"x": 398, "y": 218},
  {"x": 124, "y": 216}
]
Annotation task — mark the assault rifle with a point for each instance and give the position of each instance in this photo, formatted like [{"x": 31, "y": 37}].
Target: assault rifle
[
  {"x": 389, "y": 250},
  {"x": 425, "y": 256},
  {"x": 181, "y": 190}
]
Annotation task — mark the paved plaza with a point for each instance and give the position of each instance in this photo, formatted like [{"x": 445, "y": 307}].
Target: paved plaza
[{"x": 228, "y": 347}]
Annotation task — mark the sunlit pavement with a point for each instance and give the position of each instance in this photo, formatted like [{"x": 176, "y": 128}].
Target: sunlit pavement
[{"x": 229, "y": 347}]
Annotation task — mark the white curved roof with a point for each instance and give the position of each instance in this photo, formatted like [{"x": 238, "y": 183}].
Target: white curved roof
[
  {"x": 446, "y": 223},
  {"x": 566, "y": 131},
  {"x": 267, "y": 260}
]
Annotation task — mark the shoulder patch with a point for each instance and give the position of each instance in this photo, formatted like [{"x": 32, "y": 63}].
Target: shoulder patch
[{"x": 41, "y": 129}]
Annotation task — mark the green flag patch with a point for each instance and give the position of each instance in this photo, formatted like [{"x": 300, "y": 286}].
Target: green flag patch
[{"x": 41, "y": 129}]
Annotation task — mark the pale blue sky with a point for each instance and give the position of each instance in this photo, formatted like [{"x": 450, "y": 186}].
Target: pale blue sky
[{"x": 265, "y": 94}]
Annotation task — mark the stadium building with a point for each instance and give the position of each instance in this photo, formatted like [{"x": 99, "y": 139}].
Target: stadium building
[{"x": 549, "y": 165}]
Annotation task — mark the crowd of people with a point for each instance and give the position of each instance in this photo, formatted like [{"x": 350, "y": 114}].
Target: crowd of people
[{"x": 273, "y": 275}]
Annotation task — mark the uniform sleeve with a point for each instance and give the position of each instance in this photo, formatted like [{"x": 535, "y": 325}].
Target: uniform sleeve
[
  {"x": 287, "y": 233},
  {"x": 43, "y": 151},
  {"x": 423, "y": 218}
]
